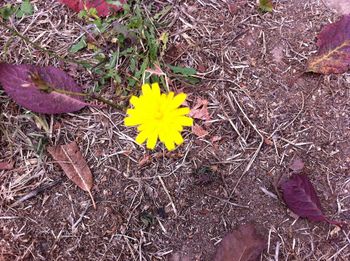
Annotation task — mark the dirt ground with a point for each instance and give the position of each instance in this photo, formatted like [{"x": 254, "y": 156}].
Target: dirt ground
[{"x": 264, "y": 110}]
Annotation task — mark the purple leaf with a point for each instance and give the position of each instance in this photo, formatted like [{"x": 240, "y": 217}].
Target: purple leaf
[
  {"x": 333, "y": 43},
  {"x": 23, "y": 82},
  {"x": 300, "y": 196}
]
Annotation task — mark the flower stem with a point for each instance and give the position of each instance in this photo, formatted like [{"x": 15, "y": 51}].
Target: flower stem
[
  {"x": 89, "y": 96},
  {"x": 48, "y": 88}
]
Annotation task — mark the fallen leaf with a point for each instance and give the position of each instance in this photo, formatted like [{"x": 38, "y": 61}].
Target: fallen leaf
[
  {"x": 28, "y": 86},
  {"x": 333, "y": 43},
  {"x": 277, "y": 53},
  {"x": 296, "y": 165},
  {"x": 199, "y": 131},
  {"x": 340, "y": 6},
  {"x": 266, "y": 5},
  {"x": 102, "y": 7},
  {"x": 74, "y": 165},
  {"x": 25, "y": 9},
  {"x": 232, "y": 7},
  {"x": 300, "y": 197},
  {"x": 146, "y": 159},
  {"x": 200, "y": 110},
  {"x": 178, "y": 256},
  {"x": 242, "y": 244},
  {"x": 7, "y": 165},
  {"x": 215, "y": 139}
]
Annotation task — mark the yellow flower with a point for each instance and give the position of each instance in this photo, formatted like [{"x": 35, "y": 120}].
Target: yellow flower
[{"x": 158, "y": 116}]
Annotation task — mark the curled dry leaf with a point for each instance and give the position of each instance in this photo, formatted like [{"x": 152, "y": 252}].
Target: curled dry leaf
[
  {"x": 333, "y": 43},
  {"x": 232, "y": 7},
  {"x": 199, "y": 131},
  {"x": 200, "y": 110},
  {"x": 74, "y": 165},
  {"x": 29, "y": 86},
  {"x": 297, "y": 165},
  {"x": 242, "y": 244},
  {"x": 102, "y": 7},
  {"x": 7, "y": 165},
  {"x": 300, "y": 197}
]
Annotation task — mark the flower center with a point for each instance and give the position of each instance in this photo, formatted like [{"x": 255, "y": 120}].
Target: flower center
[{"x": 158, "y": 115}]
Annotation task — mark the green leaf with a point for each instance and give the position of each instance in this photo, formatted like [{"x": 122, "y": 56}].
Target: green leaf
[
  {"x": 26, "y": 8},
  {"x": 79, "y": 45},
  {"x": 6, "y": 11},
  {"x": 186, "y": 71},
  {"x": 164, "y": 40},
  {"x": 162, "y": 13},
  {"x": 266, "y": 5},
  {"x": 192, "y": 80}
]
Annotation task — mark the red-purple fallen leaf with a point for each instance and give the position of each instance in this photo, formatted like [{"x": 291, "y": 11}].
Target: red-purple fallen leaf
[
  {"x": 300, "y": 196},
  {"x": 242, "y": 244},
  {"x": 333, "y": 43},
  {"x": 102, "y": 7},
  {"x": 19, "y": 84},
  {"x": 7, "y": 165},
  {"x": 74, "y": 165}
]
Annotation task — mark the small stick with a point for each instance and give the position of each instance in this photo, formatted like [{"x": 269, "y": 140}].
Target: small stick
[
  {"x": 257, "y": 150},
  {"x": 36, "y": 192},
  {"x": 47, "y": 88},
  {"x": 167, "y": 192}
]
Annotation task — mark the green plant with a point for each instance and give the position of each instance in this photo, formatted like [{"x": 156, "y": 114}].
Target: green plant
[{"x": 131, "y": 45}]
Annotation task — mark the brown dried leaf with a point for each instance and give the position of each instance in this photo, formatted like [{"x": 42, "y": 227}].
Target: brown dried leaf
[
  {"x": 232, "y": 7},
  {"x": 74, "y": 165},
  {"x": 200, "y": 110},
  {"x": 178, "y": 256},
  {"x": 297, "y": 165},
  {"x": 215, "y": 139},
  {"x": 242, "y": 244},
  {"x": 145, "y": 160},
  {"x": 7, "y": 165},
  {"x": 199, "y": 131}
]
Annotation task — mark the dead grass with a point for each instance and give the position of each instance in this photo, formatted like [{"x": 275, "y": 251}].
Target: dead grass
[{"x": 263, "y": 109}]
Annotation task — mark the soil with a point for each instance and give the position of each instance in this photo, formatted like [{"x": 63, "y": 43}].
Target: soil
[{"x": 265, "y": 111}]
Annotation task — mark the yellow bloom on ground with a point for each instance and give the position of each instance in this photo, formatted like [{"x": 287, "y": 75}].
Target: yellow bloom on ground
[{"x": 158, "y": 116}]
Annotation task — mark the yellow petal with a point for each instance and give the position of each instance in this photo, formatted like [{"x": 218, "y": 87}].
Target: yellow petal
[
  {"x": 169, "y": 144},
  {"x": 170, "y": 95},
  {"x": 141, "y": 138},
  {"x": 178, "y": 138},
  {"x": 178, "y": 100},
  {"x": 155, "y": 89},
  {"x": 130, "y": 111},
  {"x": 185, "y": 121},
  {"x": 152, "y": 140},
  {"x": 181, "y": 111},
  {"x": 131, "y": 121},
  {"x": 146, "y": 89},
  {"x": 134, "y": 100}
]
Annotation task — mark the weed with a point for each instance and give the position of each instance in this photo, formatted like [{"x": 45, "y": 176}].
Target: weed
[{"x": 126, "y": 45}]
